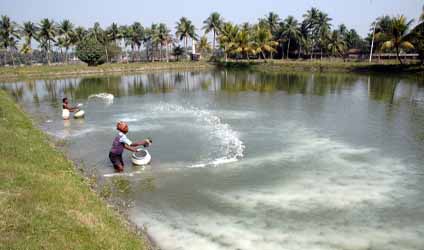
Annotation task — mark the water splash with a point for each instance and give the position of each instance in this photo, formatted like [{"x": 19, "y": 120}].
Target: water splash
[{"x": 231, "y": 148}]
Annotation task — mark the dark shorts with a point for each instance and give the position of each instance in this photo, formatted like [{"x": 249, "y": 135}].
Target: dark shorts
[{"x": 116, "y": 159}]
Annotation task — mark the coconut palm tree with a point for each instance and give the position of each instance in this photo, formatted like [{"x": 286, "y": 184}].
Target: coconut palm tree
[
  {"x": 101, "y": 36},
  {"x": 243, "y": 44},
  {"x": 304, "y": 39},
  {"x": 29, "y": 31},
  {"x": 204, "y": 46},
  {"x": 133, "y": 36},
  {"x": 47, "y": 35},
  {"x": 8, "y": 36},
  {"x": 114, "y": 33},
  {"x": 323, "y": 28},
  {"x": 66, "y": 33},
  {"x": 272, "y": 21},
  {"x": 263, "y": 41},
  {"x": 291, "y": 31},
  {"x": 79, "y": 33},
  {"x": 336, "y": 44},
  {"x": 379, "y": 28},
  {"x": 310, "y": 23},
  {"x": 185, "y": 30},
  {"x": 163, "y": 37},
  {"x": 397, "y": 37},
  {"x": 213, "y": 23},
  {"x": 227, "y": 38}
]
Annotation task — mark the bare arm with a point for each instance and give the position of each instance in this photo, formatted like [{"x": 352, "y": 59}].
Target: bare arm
[
  {"x": 144, "y": 143},
  {"x": 130, "y": 148},
  {"x": 71, "y": 109}
]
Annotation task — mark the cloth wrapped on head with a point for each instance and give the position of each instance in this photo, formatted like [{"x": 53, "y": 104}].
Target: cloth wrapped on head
[{"x": 122, "y": 126}]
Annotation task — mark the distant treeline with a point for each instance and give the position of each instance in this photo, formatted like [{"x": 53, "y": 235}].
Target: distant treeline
[{"x": 270, "y": 38}]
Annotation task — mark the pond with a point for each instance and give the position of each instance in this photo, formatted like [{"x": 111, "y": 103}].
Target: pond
[{"x": 254, "y": 160}]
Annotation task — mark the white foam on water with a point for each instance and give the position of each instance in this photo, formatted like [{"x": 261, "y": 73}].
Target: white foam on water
[
  {"x": 231, "y": 147},
  {"x": 333, "y": 174},
  {"x": 105, "y": 96},
  {"x": 222, "y": 232},
  {"x": 125, "y": 174}
]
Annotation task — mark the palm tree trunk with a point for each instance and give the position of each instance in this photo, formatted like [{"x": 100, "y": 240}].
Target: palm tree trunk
[
  {"x": 300, "y": 50},
  {"x": 263, "y": 55},
  {"x": 186, "y": 46},
  {"x": 166, "y": 52},
  {"x": 66, "y": 55},
  {"x": 312, "y": 50},
  {"x": 61, "y": 54},
  {"x": 48, "y": 52},
  {"x": 13, "y": 59},
  {"x": 160, "y": 52},
  {"x": 213, "y": 48},
  {"x": 288, "y": 49},
  {"x": 397, "y": 54},
  {"x": 107, "y": 55}
]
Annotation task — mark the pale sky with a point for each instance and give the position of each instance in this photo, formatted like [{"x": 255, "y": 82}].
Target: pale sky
[{"x": 356, "y": 14}]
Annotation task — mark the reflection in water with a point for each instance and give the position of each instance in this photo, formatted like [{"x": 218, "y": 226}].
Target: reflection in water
[{"x": 379, "y": 88}]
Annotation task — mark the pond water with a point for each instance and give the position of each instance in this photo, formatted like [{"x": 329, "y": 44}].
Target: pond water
[{"x": 250, "y": 160}]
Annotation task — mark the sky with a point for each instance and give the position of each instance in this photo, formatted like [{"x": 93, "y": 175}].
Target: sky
[{"x": 357, "y": 14}]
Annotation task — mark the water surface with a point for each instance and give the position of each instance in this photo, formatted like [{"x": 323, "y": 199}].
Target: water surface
[{"x": 249, "y": 160}]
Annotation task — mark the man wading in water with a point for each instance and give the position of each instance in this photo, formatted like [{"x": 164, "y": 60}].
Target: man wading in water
[
  {"x": 67, "y": 109},
  {"x": 120, "y": 142}
]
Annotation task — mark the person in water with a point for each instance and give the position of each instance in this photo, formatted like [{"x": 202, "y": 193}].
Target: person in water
[
  {"x": 121, "y": 142},
  {"x": 67, "y": 109}
]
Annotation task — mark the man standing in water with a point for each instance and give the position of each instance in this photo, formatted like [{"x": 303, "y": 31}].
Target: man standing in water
[
  {"x": 120, "y": 142},
  {"x": 67, "y": 109}
]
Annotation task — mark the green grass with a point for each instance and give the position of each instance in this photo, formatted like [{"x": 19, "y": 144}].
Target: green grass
[
  {"x": 325, "y": 66},
  {"x": 44, "y": 202},
  {"x": 82, "y": 69},
  {"x": 337, "y": 65}
]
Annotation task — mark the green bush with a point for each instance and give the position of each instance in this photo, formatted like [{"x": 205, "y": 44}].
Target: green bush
[{"x": 90, "y": 51}]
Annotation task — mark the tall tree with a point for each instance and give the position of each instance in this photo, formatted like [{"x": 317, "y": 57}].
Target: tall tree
[
  {"x": 227, "y": 38},
  {"x": 185, "y": 30},
  {"x": 213, "y": 23},
  {"x": 310, "y": 23},
  {"x": 47, "y": 35},
  {"x": 263, "y": 42},
  {"x": 272, "y": 21},
  {"x": 8, "y": 36},
  {"x": 243, "y": 44},
  {"x": 397, "y": 37},
  {"x": 79, "y": 34},
  {"x": 204, "y": 46},
  {"x": 291, "y": 31},
  {"x": 336, "y": 44},
  {"x": 164, "y": 37},
  {"x": 114, "y": 33},
  {"x": 323, "y": 28},
  {"x": 133, "y": 36},
  {"x": 29, "y": 31},
  {"x": 66, "y": 33}
]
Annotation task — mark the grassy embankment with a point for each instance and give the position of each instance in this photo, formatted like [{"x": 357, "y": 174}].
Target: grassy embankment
[
  {"x": 44, "y": 202},
  {"x": 325, "y": 66},
  {"x": 82, "y": 69},
  {"x": 11, "y": 73}
]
